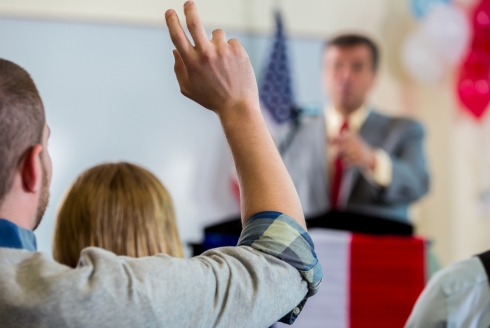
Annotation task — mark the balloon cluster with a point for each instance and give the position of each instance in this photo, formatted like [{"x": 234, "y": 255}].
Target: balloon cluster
[
  {"x": 474, "y": 73},
  {"x": 448, "y": 36},
  {"x": 439, "y": 41}
]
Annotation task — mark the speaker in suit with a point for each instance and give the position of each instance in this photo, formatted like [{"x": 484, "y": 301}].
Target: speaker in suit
[
  {"x": 351, "y": 158},
  {"x": 400, "y": 139}
]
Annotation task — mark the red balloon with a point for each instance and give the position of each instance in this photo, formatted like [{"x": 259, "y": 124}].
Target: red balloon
[
  {"x": 477, "y": 61},
  {"x": 474, "y": 87},
  {"x": 481, "y": 25}
]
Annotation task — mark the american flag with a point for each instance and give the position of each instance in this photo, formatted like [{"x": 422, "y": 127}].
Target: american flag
[{"x": 276, "y": 92}]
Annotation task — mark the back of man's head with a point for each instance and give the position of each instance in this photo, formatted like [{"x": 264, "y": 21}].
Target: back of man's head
[{"x": 22, "y": 120}]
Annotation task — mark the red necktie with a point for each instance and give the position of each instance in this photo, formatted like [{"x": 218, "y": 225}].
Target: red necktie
[{"x": 338, "y": 169}]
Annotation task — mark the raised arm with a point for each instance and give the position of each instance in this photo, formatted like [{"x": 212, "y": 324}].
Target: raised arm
[{"x": 217, "y": 74}]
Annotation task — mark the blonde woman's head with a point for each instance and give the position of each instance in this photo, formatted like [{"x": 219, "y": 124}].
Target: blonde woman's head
[{"x": 120, "y": 207}]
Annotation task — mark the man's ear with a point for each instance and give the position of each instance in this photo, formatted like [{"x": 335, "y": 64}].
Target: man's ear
[{"x": 30, "y": 169}]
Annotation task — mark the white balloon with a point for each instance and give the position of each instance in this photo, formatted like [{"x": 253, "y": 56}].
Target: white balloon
[
  {"x": 447, "y": 30},
  {"x": 421, "y": 62}
]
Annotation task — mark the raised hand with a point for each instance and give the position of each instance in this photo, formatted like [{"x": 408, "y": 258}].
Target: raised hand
[
  {"x": 214, "y": 73},
  {"x": 354, "y": 151},
  {"x": 217, "y": 74}
]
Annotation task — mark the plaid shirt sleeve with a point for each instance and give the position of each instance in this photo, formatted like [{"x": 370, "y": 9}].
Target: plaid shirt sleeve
[{"x": 277, "y": 234}]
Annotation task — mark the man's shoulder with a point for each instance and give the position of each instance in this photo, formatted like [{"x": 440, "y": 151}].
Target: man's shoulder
[
  {"x": 456, "y": 296},
  {"x": 14, "y": 256},
  {"x": 398, "y": 122},
  {"x": 462, "y": 276}
]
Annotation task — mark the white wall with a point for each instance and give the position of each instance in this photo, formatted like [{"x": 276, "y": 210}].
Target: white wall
[{"x": 312, "y": 17}]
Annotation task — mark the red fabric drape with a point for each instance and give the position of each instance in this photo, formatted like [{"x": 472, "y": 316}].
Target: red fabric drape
[{"x": 387, "y": 276}]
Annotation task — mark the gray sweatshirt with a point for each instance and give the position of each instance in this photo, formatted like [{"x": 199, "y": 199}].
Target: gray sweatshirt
[{"x": 253, "y": 285}]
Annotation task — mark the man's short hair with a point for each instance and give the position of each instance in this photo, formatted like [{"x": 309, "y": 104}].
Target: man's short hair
[
  {"x": 352, "y": 40},
  {"x": 22, "y": 120}
]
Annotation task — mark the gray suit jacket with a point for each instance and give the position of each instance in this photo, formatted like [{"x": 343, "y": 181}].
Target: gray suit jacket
[{"x": 401, "y": 138}]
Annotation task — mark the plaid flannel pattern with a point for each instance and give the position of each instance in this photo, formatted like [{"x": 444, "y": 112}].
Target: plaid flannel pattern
[{"x": 277, "y": 234}]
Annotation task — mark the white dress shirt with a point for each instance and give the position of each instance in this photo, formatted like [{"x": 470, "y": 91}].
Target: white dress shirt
[{"x": 455, "y": 297}]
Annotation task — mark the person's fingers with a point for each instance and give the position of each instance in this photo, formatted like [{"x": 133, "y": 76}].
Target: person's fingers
[
  {"x": 181, "y": 73},
  {"x": 194, "y": 25},
  {"x": 237, "y": 47},
  {"x": 341, "y": 153},
  {"x": 177, "y": 34},
  {"x": 340, "y": 150},
  {"x": 352, "y": 153},
  {"x": 348, "y": 161},
  {"x": 341, "y": 139},
  {"x": 219, "y": 36},
  {"x": 234, "y": 42},
  {"x": 347, "y": 156},
  {"x": 349, "y": 150},
  {"x": 342, "y": 142},
  {"x": 345, "y": 161}
]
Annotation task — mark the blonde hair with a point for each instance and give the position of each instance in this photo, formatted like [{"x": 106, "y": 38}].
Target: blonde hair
[{"x": 120, "y": 207}]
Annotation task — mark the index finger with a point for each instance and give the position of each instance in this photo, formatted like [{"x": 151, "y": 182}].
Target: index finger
[
  {"x": 194, "y": 25},
  {"x": 343, "y": 136},
  {"x": 177, "y": 34}
]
